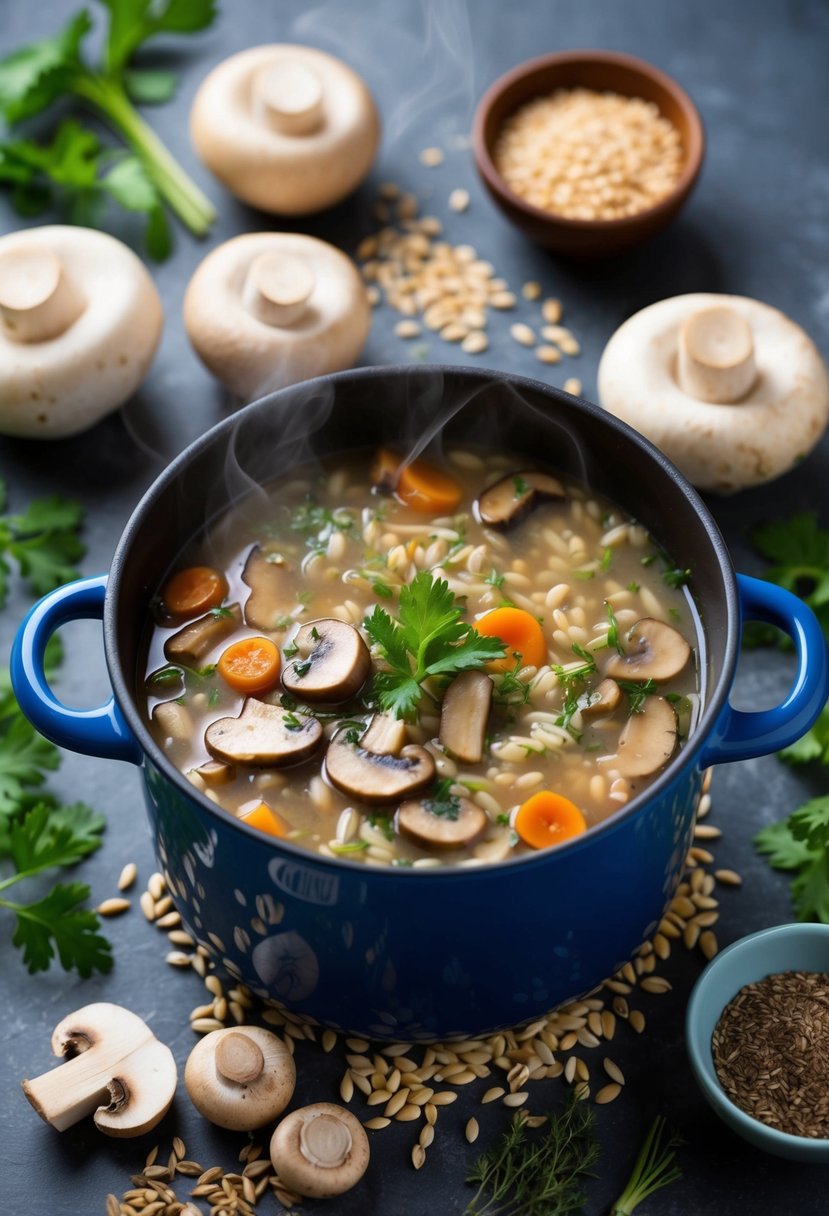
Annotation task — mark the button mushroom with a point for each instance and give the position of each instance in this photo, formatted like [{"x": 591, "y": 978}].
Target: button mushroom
[
  {"x": 659, "y": 652},
  {"x": 729, "y": 388},
  {"x": 508, "y": 501},
  {"x": 81, "y": 320},
  {"x": 240, "y": 1078},
  {"x": 270, "y": 590},
  {"x": 445, "y": 823},
  {"x": 286, "y": 128},
  {"x": 265, "y": 736},
  {"x": 648, "y": 740},
  {"x": 115, "y": 1068},
  {"x": 192, "y": 643},
  {"x": 374, "y": 778},
  {"x": 269, "y": 309},
  {"x": 320, "y": 1151},
  {"x": 464, "y": 713},
  {"x": 601, "y": 701},
  {"x": 332, "y": 665}
]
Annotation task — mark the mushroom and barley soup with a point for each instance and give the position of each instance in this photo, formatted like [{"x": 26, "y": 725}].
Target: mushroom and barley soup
[{"x": 422, "y": 664}]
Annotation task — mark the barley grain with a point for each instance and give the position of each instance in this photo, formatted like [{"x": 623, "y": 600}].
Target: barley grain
[
  {"x": 608, "y": 1094},
  {"x": 113, "y": 907},
  {"x": 471, "y": 1131},
  {"x": 127, "y": 876}
]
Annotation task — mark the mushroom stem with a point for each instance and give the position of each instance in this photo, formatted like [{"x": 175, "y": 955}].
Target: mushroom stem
[
  {"x": 37, "y": 300},
  {"x": 326, "y": 1141},
  {"x": 290, "y": 98},
  {"x": 277, "y": 288},
  {"x": 239, "y": 1059},
  {"x": 716, "y": 355}
]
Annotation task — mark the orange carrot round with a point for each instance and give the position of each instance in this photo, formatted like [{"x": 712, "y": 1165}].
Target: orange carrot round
[
  {"x": 428, "y": 489},
  {"x": 521, "y": 634},
  {"x": 250, "y": 665},
  {"x": 265, "y": 819},
  {"x": 548, "y": 819},
  {"x": 193, "y": 590}
]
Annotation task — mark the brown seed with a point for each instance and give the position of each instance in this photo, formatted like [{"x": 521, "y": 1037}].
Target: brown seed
[
  {"x": 608, "y": 1093},
  {"x": 522, "y": 334},
  {"x": 431, "y": 157},
  {"x": 655, "y": 984},
  {"x": 171, "y": 920},
  {"x": 729, "y": 878},
  {"x": 427, "y": 1136},
  {"x": 708, "y": 944},
  {"x": 176, "y": 958},
  {"x": 407, "y": 329},
  {"x": 548, "y": 354},
  {"x": 475, "y": 343},
  {"x": 444, "y": 1098},
  {"x": 407, "y": 1113},
  {"x": 551, "y": 311},
  {"x": 531, "y": 290},
  {"x": 377, "y": 1123},
  {"x": 515, "y": 1099},
  {"x": 113, "y": 907},
  {"x": 471, "y": 1131},
  {"x": 573, "y": 385},
  {"x": 147, "y": 905},
  {"x": 493, "y": 1094},
  {"x": 637, "y": 1020},
  {"x": 613, "y": 1071},
  {"x": 418, "y": 1156},
  {"x": 190, "y": 1169}
]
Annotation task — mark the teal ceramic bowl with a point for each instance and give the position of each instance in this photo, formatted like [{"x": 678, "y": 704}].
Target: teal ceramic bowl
[{"x": 784, "y": 948}]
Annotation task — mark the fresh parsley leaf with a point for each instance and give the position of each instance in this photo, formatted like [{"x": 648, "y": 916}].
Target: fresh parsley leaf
[
  {"x": 150, "y": 86},
  {"x": 382, "y": 823},
  {"x": 133, "y": 22},
  {"x": 59, "y": 922},
  {"x": 783, "y": 850},
  {"x": 49, "y": 836},
  {"x": 503, "y": 820},
  {"x": 291, "y": 649},
  {"x": 441, "y": 803},
  {"x": 800, "y": 845},
  {"x": 675, "y": 577},
  {"x": 213, "y": 698},
  {"x": 814, "y": 745},
  {"x": 810, "y": 823},
  {"x": 606, "y": 560},
  {"x": 221, "y": 614},
  {"x": 633, "y": 586},
  {"x": 291, "y": 722},
  {"x": 509, "y": 690},
  {"x": 32, "y": 77},
  {"x": 44, "y": 542},
  {"x": 521, "y": 487},
  {"x": 25, "y": 757},
  {"x": 302, "y": 669}
]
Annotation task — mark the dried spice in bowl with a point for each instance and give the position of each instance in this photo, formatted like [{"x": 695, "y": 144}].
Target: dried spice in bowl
[{"x": 771, "y": 1052}]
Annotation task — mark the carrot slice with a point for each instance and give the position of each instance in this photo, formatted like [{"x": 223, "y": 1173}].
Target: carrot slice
[
  {"x": 193, "y": 590},
  {"x": 521, "y": 634},
  {"x": 424, "y": 488},
  {"x": 548, "y": 819},
  {"x": 264, "y": 819},
  {"x": 250, "y": 665}
]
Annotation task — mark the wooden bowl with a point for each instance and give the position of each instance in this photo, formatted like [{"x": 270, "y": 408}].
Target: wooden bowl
[{"x": 602, "y": 71}]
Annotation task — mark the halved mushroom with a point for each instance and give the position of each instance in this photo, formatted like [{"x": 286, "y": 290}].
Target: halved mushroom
[
  {"x": 371, "y": 777},
  {"x": 115, "y": 1067},
  {"x": 600, "y": 701},
  {"x": 190, "y": 645},
  {"x": 214, "y": 774},
  {"x": 464, "y": 714},
  {"x": 648, "y": 740},
  {"x": 448, "y": 823},
  {"x": 263, "y": 735},
  {"x": 385, "y": 736},
  {"x": 508, "y": 501},
  {"x": 240, "y": 1078},
  {"x": 320, "y": 1151},
  {"x": 270, "y": 590},
  {"x": 332, "y": 665},
  {"x": 660, "y": 653}
]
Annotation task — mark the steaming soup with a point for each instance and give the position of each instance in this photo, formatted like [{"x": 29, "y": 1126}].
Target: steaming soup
[{"x": 424, "y": 665}]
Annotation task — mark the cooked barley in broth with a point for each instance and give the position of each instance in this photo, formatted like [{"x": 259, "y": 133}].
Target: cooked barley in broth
[{"x": 496, "y": 755}]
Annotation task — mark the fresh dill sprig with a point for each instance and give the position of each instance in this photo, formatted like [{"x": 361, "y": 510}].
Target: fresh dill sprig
[{"x": 655, "y": 1167}]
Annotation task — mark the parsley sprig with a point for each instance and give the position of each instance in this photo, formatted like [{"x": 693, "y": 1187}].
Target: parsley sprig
[
  {"x": 800, "y": 846},
  {"x": 429, "y": 638},
  {"x": 43, "y": 541}
]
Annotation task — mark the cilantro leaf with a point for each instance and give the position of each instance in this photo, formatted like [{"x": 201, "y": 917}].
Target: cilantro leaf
[
  {"x": 33, "y": 76},
  {"x": 48, "y": 559},
  {"x": 24, "y": 755},
  {"x": 50, "y": 836},
  {"x": 783, "y": 850},
  {"x": 60, "y": 923},
  {"x": 810, "y": 891},
  {"x": 800, "y": 844},
  {"x": 814, "y": 745},
  {"x": 810, "y": 823}
]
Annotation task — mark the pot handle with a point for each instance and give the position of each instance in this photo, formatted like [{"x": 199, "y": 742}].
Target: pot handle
[
  {"x": 738, "y": 735},
  {"x": 102, "y": 731}
]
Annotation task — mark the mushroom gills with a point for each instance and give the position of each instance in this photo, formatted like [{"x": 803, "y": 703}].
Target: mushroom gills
[
  {"x": 265, "y": 736},
  {"x": 660, "y": 653},
  {"x": 648, "y": 740},
  {"x": 270, "y": 590},
  {"x": 374, "y": 778},
  {"x": 509, "y": 500},
  {"x": 446, "y": 823},
  {"x": 320, "y": 1151},
  {"x": 464, "y": 713},
  {"x": 333, "y": 662},
  {"x": 192, "y": 643},
  {"x": 602, "y": 700}
]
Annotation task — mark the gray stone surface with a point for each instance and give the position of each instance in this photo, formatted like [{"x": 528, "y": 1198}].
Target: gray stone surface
[{"x": 756, "y": 225}]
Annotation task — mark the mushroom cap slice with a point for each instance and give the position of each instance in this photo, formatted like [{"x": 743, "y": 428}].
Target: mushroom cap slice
[
  {"x": 270, "y": 591},
  {"x": 660, "y": 653},
  {"x": 602, "y": 700},
  {"x": 459, "y": 822},
  {"x": 333, "y": 662},
  {"x": 464, "y": 713},
  {"x": 240, "y": 1078},
  {"x": 384, "y": 735},
  {"x": 265, "y": 736},
  {"x": 195, "y": 641},
  {"x": 648, "y": 740},
  {"x": 320, "y": 1151},
  {"x": 509, "y": 500},
  {"x": 375, "y": 778}
]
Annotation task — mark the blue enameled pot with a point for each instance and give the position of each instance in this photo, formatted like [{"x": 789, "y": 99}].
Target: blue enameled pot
[{"x": 400, "y": 953}]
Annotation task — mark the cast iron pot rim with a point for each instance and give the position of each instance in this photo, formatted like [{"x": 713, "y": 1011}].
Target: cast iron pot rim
[
  {"x": 694, "y": 154},
  {"x": 686, "y": 756}
]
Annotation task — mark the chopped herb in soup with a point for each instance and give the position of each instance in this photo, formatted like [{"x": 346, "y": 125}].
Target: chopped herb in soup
[{"x": 423, "y": 665}]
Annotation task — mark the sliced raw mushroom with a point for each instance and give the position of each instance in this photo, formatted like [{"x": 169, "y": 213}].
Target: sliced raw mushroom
[
  {"x": 174, "y": 720},
  {"x": 270, "y": 590},
  {"x": 648, "y": 740},
  {"x": 320, "y": 1151},
  {"x": 371, "y": 777},
  {"x": 659, "y": 652},
  {"x": 332, "y": 665},
  {"x": 115, "y": 1068},
  {"x": 445, "y": 823},
  {"x": 263, "y": 735},
  {"x": 240, "y": 1078},
  {"x": 464, "y": 714},
  {"x": 385, "y": 736},
  {"x": 192, "y": 643},
  {"x": 602, "y": 700},
  {"x": 215, "y": 774},
  {"x": 508, "y": 501}
]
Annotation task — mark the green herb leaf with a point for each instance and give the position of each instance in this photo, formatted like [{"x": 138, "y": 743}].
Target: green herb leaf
[
  {"x": 33, "y": 76},
  {"x": 49, "y": 836},
  {"x": 382, "y": 822},
  {"x": 291, "y": 722},
  {"x": 150, "y": 86},
  {"x": 521, "y": 487},
  {"x": 613, "y": 642},
  {"x": 134, "y": 21},
  {"x": 810, "y": 823},
  {"x": 59, "y": 922},
  {"x": 637, "y": 693},
  {"x": 814, "y": 745},
  {"x": 654, "y": 1169},
  {"x": 221, "y": 614},
  {"x": 783, "y": 850},
  {"x": 441, "y": 803},
  {"x": 495, "y": 579},
  {"x": 25, "y": 757}
]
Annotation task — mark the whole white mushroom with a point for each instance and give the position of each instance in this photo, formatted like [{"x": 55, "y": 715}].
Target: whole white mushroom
[
  {"x": 286, "y": 128},
  {"x": 731, "y": 390},
  {"x": 269, "y": 309},
  {"x": 80, "y": 320}
]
